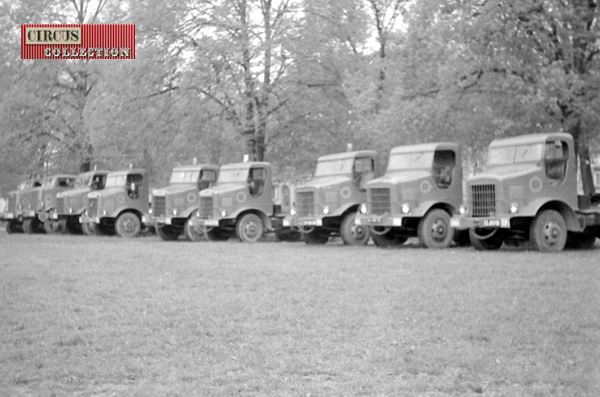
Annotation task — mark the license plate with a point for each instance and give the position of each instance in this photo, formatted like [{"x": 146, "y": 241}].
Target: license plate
[
  {"x": 54, "y": 216},
  {"x": 491, "y": 223},
  {"x": 211, "y": 222},
  {"x": 9, "y": 215},
  {"x": 374, "y": 219},
  {"x": 309, "y": 222},
  {"x": 454, "y": 222}
]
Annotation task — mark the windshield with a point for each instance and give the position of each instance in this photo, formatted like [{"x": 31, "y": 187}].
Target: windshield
[
  {"x": 334, "y": 167},
  {"x": 184, "y": 176},
  {"x": 48, "y": 182},
  {"x": 410, "y": 161},
  {"x": 233, "y": 175},
  {"x": 515, "y": 154},
  {"x": 116, "y": 180}
]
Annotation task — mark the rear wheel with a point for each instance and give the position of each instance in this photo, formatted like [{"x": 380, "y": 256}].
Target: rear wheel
[
  {"x": 13, "y": 227},
  {"x": 353, "y": 234},
  {"x": 316, "y": 236},
  {"x": 486, "y": 239},
  {"x": 434, "y": 229},
  {"x": 548, "y": 231},
  {"x": 581, "y": 240},
  {"x": 215, "y": 234},
  {"x": 128, "y": 225},
  {"x": 249, "y": 229},
  {"x": 389, "y": 239},
  {"x": 168, "y": 233}
]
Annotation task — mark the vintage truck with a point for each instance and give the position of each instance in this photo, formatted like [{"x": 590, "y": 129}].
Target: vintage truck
[
  {"x": 51, "y": 187},
  {"x": 71, "y": 204},
  {"x": 173, "y": 206},
  {"x": 118, "y": 208},
  {"x": 13, "y": 214},
  {"x": 417, "y": 196},
  {"x": 528, "y": 193},
  {"x": 245, "y": 203},
  {"x": 327, "y": 205}
]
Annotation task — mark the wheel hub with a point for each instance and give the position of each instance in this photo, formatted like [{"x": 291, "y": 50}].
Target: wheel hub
[
  {"x": 552, "y": 233},
  {"x": 439, "y": 229}
]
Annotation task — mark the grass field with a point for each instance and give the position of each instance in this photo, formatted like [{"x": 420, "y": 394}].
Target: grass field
[{"x": 112, "y": 317}]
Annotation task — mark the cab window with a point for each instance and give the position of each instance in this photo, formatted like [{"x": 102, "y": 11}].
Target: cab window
[
  {"x": 207, "y": 178},
  {"x": 256, "y": 181},
  {"x": 444, "y": 162},
  {"x": 556, "y": 154}
]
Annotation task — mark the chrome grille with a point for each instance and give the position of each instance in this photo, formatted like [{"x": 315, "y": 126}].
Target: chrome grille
[
  {"x": 60, "y": 205},
  {"x": 159, "y": 206},
  {"x": 305, "y": 204},
  {"x": 380, "y": 201},
  {"x": 483, "y": 199},
  {"x": 206, "y": 207},
  {"x": 92, "y": 207}
]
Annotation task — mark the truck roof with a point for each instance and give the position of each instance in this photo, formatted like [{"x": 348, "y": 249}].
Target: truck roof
[
  {"x": 94, "y": 172},
  {"x": 531, "y": 139},
  {"x": 129, "y": 171},
  {"x": 426, "y": 147},
  {"x": 196, "y": 167},
  {"x": 348, "y": 155},
  {"x": 245, "y": 165}
]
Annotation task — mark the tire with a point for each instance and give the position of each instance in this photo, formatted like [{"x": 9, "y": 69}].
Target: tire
[
  {"x": 249, "y": 228},
  {"x": 581, "y": 240},
  {"x": 59, "y": 227},
  {"x": 390, "y": 239},
  {"x": 168, "y": 233},
  {"x": 353, "y": 234},
  {"x": 193, "y": 233},
  {"x": 49, "y": 226},
  {"x": 13, "y": 227},
  {"x": 28, "y": 226},
  {"x": 316, "y": 236},
  {"x": 88, "y": 229},
  {"x": 215, "y": 234},
  {"x": 548, "y": 231},
  {"x": 128, "y": 225},
  {"x": 487, "y": 240},
  {"x": 434, "y": 229}
]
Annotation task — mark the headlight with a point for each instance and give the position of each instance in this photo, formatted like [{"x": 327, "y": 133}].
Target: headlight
[
  {"x": 326, "y": 210},
  {"x": 223, "y": 212},
  {"x": 174, "y": 212},
  {"x": 293, "y": 212},
  {"x": 104, "y": 212},
  {"x": 87, "y": 213},
  {"x": 363, "y": 208},
  {"x": 462, "y": 210},
  {"x": 150, "y": 211},
  {"x": 514, "y": 208},
  {"x": 198, "y": 214},
  {"x": 70, "y": 210},
  {"x": 405, "y": 208}
]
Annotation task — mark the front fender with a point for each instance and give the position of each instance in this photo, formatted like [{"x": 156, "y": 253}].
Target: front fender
[{"x": 342, "y": 209}]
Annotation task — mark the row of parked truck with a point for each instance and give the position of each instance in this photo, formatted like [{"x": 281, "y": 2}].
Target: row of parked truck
[{"x": 528, "y": 194}]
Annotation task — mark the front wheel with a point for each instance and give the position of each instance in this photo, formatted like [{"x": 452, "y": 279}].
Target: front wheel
[
  {"x": 434, "y": 229},
  {"x": 193, "y": 232},
  {"x": 353, "y": 234},
  {"x": 13, "y": 227},
  {"x": 128, "y": 225},
  {"x": 249, "y": 228},
  {"x": 168, "y": 233},
  {"x": 548, "y": 231},
  {"x": 486, "y": 239}
]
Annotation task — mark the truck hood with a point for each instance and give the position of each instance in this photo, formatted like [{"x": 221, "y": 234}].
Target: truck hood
[
  {"x": 222, "y": 189},
  {"x": 173, "y": 189},
  {"x": 321, "y": 183},
  {"x": 79, "y": 191},
  {"x": 399, "y": 177},
  {"x": 505, "y": 172},
  {"x": 111, "y": 191}
]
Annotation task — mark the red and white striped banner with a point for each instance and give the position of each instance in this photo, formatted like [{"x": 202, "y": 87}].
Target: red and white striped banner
[{"x": 84, "y": 41}]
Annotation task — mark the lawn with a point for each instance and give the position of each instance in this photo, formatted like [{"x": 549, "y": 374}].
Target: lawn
[{"x": 82, "y": 316}]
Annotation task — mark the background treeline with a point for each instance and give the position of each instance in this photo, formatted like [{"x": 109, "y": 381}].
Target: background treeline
[{"x": 288, "y": 80}]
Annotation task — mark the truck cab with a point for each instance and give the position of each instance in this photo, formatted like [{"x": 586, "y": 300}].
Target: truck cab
[
  {"x": 71, "y": 204},
  {"x": 47, "y": 197},
  {"x": 13, "y": 213},
  {"x": 241, "y": 203},
  {"x": 528, "y": 192},
  {"x": 327, "y": 205},
  {"x": 417, "y": 196},
  {"x": 118, "y": 208},
  {"x": 173, "y": 206}
]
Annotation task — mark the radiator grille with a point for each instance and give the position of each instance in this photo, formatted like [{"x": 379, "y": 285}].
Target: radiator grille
[
  {"x": 380, "y": 201},
  {"x": 92, "y": 206},
  {"x": 483, "y": 198},
  {"x": 305, "y": 204},
  {"x": 60, "y": 205},
  {"x": 206, "y": 207},
  {"x": 159, "y": 206}
]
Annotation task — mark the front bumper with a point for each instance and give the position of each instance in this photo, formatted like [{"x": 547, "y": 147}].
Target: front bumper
[
  {"x": 89, "y": 219},
  {"x": 460, "y": 222},
  {"x": 379, "y": 220},
  {"x": 7, "y": 216},
  {"x": 205, "y": 222},
  {"x": 304, "y": 222},
  {"x": 157, "y": 220}
]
